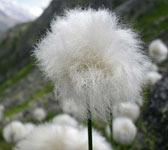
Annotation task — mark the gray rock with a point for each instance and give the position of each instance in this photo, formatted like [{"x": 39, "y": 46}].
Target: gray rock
[{"x": 156, "y": 114}]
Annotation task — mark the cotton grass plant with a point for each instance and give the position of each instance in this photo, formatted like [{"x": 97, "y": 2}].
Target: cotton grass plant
[
  {"x": 16, "y": 131},
  {"x": 158, "y": 51},
  {"x": 153, "y": 77},
  {"x": 124, "y": 130},
  {"x": 129, "y": 110},
  {"x": 65, "y": 120},
  {"x": 39, "y": 114},
  {"x": 93, "y": 60},
  {"x": 69, "y": 106},
  {"x": 57, "y": 137}
]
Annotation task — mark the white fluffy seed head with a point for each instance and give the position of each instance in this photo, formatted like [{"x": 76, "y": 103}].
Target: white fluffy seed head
[
  {"x": 14, "y": 132},
  {"x": 69, "y": 106},
  {"x": 153, "y": 77},
  {"x": 92, "y": 59},
  {"x": 151, "y": 66},
  {"x": 124, "y": 130},
  {"x": 129, "y": 110},
  {"x": 29, "y": 127},
  {"x": 158, "y": 51},
  {"x": 39, "y": 114},
  {"x": 56, "y": 137},
  {"x": 65, "y": 120}
]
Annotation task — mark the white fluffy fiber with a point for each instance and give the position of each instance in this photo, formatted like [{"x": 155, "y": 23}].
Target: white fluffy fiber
[
  {"x": 130, "y": 110},
  {"x": 56, "y": 137},
  {"x": 151, "y": 66},
  {"x": 69, "y": 106},
  {"x": 158, "y": 50},
  {"x": 65, "y": 120},
  {"x": 39, "y": 114},
  {"x": 14, "y": 132},
  {"x": 153, "y": 77},
  {"x": 92, "y": 59},
  {"x": 124, "y": 130},
  {"x": 29, "y": 127}
]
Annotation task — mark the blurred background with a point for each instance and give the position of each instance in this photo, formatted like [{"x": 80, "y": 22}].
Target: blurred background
[{"x": 23, "y": 87}]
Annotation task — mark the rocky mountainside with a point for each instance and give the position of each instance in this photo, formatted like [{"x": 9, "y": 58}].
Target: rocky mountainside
[
  {"x": 156, "y": 114},
  {"x": 22, "y": 86},
  {"x": 11, "y": 14}
]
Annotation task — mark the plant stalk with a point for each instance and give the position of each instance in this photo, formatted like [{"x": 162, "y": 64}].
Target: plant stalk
[
  {"x": 111, "y": 132},
  {"x": 90, "y": 144},
  {"x": 111, "y": 128}
]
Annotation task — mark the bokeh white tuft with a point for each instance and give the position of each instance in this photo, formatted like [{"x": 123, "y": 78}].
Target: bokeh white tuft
[
  {"x": 124, "y": 130},
  {"x": 151, "y": 66},
  {"x": 39, "y": 114},
  {"x": 153, "y": 77},
  {"x": 14, "y": 132},
  {"x": 56, "y": 137},
  {"x": 158, "y": 51},
  {"x": 69, "y": 106},
  {"x": 65, "y": 120},
  {"x": 29, "y": 127},
  {"x": 129, "y": 110},
  {"x": 93, "y": 60}
]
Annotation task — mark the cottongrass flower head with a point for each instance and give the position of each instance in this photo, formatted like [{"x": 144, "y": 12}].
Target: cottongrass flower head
[
  {"x": 29, "y": 127},
  {"x": 153, "y": 77},
  {"x": 39, "y": 114},
  {"x": 129, "y": 110},
  {"x": 92, "y": 59},
  {"x": 124, "y": 130},
  {"x": 56, "y": 137},
  {"x": 65, "y": 120},
  {"x": 69, "y": 106},
  {"x": 158, "y": 51},
  {"x": 14, "y": 132},
  {"x": 151, "y": 66}
]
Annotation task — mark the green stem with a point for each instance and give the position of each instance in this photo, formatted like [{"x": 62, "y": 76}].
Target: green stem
[
  {"x": 90, "y": 145},
  {"x": 111, "y": 132},
  {"x": 111, "y": 128}
]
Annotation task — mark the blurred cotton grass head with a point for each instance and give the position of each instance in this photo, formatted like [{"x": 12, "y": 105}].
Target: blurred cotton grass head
[
  {"x": 124, "y": 130},
  {"x": 57, "y": 137},
  {"x": 14, "y": 132},
  {"x": 158, "y": 51},
  {"x": 92, "y": 59},
  {"x": 39, "y": 114},
  {"x": 65, "y": 120},
  {"x": 153, "y": 77},
  {"x": 130, "y": 110}
]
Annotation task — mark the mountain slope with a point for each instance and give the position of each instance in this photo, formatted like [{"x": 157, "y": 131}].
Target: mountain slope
[{"x": 11, "y": 14}]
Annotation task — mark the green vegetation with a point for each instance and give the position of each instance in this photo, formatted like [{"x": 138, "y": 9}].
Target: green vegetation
[
  {"x": 35, "y": 96},
  {"x": 147, "y": 19},
  {"x": 3, "y": 144},
  {"x": 17, "y": 76},
  {"x": 10, "y": 56}
]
